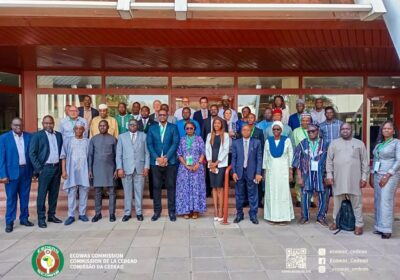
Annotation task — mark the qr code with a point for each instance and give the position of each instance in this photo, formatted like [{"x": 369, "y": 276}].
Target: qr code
[{"x": 296, "y": 258}]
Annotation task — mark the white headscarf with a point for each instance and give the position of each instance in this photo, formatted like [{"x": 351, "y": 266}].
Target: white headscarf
[{"x": 278, "y": 123}]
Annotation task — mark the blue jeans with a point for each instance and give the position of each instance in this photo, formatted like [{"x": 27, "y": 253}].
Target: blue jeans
[
  {"x": 252, "y": 191},
  {"x": 21, "y": 188},
  {"x": 384, "y": 203}
]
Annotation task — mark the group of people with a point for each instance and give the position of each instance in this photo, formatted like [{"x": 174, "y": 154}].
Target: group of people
[{"x": 188, "y": 153}]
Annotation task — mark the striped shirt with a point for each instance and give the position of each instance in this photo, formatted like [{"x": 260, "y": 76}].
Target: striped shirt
[{"x": 330, "y": 130}]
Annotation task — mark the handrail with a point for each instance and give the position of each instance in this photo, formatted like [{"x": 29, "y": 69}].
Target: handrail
[{"x": 226, "y": 195}]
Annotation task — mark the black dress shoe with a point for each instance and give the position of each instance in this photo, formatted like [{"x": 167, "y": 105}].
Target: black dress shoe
[
  {"x": 386, "y": 235},
  {"x": 27, "y": 223},
  {"x": 155, "y": 217},
  {"x": 139, "y": 217},
  {"x": 126, "y": 218},
  {"x": 96, "y": 218},
  {"x": 9, "y": 228},
  {"x": 377, "y": 232},
  {"x": 42, "y": 224},
  {"x": 254, "y": 221},
  {"x": 54, "y": 219},
  {"x": 112, "y": 218},
  {"x": 238, "y": 219},
  {"x": 172, "y": 218}
]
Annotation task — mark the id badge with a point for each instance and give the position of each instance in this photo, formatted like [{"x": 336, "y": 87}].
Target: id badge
[
  {"x": 377, "y": 164},
  {"x": 189, "y": 160},
  {"x": 314, "y": 165}
]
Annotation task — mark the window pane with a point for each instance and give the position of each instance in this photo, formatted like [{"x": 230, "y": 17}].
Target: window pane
[
  {"x": 9, "y": 79},
  {"x": 144, "y": 100},
  {"x": 9, "y": 109},
  {"x": 384, "y": 82},
  {"x": 333, "y": 82},
  {"x": 54, "y": 105},
  {"x": 202, "y": 82},
  {"x": 349, "y": 108},
  {"x": 268, "y": 82},
  {"x": 136, "y": 82},
  {"x": 68, "y": 82}
]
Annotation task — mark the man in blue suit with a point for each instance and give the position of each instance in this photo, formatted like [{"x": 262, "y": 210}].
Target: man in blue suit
[
  {"x": 44, "y": 152},
  {"x": 162, "y": 143},
  {"x": 16, "y": 173},
  {"x": 246, "y": 169}
]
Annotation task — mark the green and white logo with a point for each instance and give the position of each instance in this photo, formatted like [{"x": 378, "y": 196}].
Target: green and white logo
[{"x": 47, "y": 261}]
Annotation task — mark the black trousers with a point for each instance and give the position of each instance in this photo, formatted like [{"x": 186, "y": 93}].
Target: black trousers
[
  {"x": 49, "y": 183},
  {"x": 167, "y": 176}
]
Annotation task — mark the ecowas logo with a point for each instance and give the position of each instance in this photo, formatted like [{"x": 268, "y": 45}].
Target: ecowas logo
[{"x": 47, "y": 261}]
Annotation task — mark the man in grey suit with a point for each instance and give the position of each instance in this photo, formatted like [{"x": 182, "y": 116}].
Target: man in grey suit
[{"x": 133, "y": 163}]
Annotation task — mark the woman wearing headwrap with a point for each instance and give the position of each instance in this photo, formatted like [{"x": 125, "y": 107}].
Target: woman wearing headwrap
[{"x": 278, "y": 155}]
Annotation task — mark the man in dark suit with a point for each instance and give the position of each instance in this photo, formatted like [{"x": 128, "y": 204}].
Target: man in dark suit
[
  {"x": 87, "y": 111},
  {"x": 44, "y": 152},
  {"x": 203, "y": 113},
  {"x": 207, "y": 123},
  {"x": 246, "y": 169},
  {"x": 156, "y": 107},
  {"x": 145, "y": 121},
  {"x": 16, "y": 173},
  {"x": 162, "y": 143}
]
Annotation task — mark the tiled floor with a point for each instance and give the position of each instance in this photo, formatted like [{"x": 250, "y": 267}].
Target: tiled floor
[{"x": 202, "y": 249}]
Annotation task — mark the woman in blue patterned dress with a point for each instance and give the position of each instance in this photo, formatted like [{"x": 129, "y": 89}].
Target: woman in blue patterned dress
[{"x": 190, "y": 183}]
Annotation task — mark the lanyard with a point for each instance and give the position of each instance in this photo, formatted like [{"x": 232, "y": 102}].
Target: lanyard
[
  {"x": 313, "y": 146},
  {"x": 189, "y": 142},
  {"x": 162, "y": 131},
  {"x": 252, "y": 131},
  {"x": 382, "y": 145},
  {"x": 72, "y": 122},
  {"x": 305, "y": 133}
]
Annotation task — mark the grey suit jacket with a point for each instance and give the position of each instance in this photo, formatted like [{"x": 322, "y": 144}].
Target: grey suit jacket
[{"x": 131, "y": 157}]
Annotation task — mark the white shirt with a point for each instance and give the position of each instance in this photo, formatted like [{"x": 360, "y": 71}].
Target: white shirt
[
  {"x": 19, "y": 141},
  {"x": 53, "y": 157},
  {"x": 162, "y": 131},
  {"x": 318, "y": 117},
  {"x": 137, "y": 117},
  {"x": 178, "y": 113},
  {"x": 244, "y": 151}
]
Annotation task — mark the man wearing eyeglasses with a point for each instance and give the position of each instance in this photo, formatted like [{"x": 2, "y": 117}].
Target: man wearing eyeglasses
[
  {"x": 133, "y": 163},
  {"x": 309, "y": 160},
  {"x": 68, "y": 123},
  {"x": 163, "y": 142}
]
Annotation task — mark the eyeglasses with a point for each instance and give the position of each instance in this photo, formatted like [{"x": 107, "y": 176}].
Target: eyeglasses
[
  {"x": 189, "y": 128},
  {"x": 276, "y": 129},
  {"x": 132, "y": 124},
  {"x": 162, "y": 115},
  {"x": 311, "y": 131}
]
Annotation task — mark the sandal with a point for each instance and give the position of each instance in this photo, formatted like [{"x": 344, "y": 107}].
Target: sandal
[{"x": 195, "y": 215}]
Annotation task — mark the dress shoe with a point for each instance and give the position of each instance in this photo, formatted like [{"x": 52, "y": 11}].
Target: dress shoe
[
  {"x": 386, "y": 235},
  {"x": 254, "y": 221},
  {"x": 333, "y": 227},
  {"x": 172, "y": 218},
  {"x": 313, "y": 205},
  {"x": 358, "y": 231},
  {"x": 9, "y": 228},
  {"x": 96, "y": 218},
  {"x": 54, "y": 219},
  {"x": 112, "y": 218},
  {"x": 42, "y": 224},
  {"x": 139, "y": 217},
  {"x": 377, "y": 232},
  {"x": 83, "y": 218},
  {"x": 238, "y": 219},
  {"x": 69, "y": 221},
  {"x": 155, "y": 217},
  {"x": 303, "y": 221},
  {"x": 126, "y": 218},
  {"x": 322, "y": 222},
  {"x": 26, "y": 223},
  {"x": 298, "y": 204}
]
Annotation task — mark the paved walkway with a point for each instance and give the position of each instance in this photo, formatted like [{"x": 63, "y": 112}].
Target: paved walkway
[{"x": 202, "y": 249}]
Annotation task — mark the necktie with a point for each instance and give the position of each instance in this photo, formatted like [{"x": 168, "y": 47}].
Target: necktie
[
  {"x": 133, "y": 138},
  {"x": 246, "y": 153},
  {"x": 204, "y": 114}
]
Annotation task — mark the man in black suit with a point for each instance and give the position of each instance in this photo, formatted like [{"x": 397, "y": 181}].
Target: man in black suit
[
  {"x": 44, "y": 152},
  {"x": 145, "y": 121},
  {"x": 203, "y": 113},
  {"x": 87, "y": 111},
  {"x": 207, "y": 124}
]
